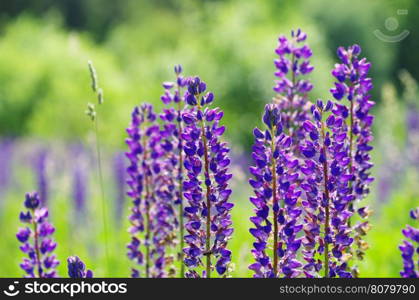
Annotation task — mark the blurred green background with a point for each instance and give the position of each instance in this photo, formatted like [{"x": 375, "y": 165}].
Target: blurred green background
[{"x": 134, "y": 44}]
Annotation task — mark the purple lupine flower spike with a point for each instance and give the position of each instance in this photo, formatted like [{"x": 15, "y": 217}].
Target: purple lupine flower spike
[
  {"x": 77, "y": 268},
  {"x": 172, "y": 144},
  {"x": 410, "y": 248},
  {"x": 274, "y": 182},
  {"x": 326, "y": 191},
  {"x": 151, "y": 218},
  {"x": 354, "y": 85},
  {"x": 162, "y": 215},
  {"x": 136, "y": 183},
  {"x": 292, "y": 65},
  {"x": 206, "y": 188},
  {"x": 36, "y": 240}
]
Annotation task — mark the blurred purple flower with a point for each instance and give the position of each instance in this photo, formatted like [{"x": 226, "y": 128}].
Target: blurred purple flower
[
  {"x": 412, "y": 127},
  {"x": 79, "y": 188},
  {"x": 40, "y": 170},
  {"x": 119, "y": 179},
  {"x": 6, "y": 159},
  {"x": 80, "y": 162}
]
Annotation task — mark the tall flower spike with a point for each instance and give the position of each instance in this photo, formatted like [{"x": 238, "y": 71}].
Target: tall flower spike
[
  {"x": 163, "y": 219},
  {"x": 172, "y": 144},
  {"x": 354, "y": 85},
  {"x": 206, "y": 187},
  {"x": 410, "y": 248},
  {"x": 277, "y": 216},
  {"x": 326, "y": 192},
  {"x": 292, "y": 65},
  {"x": 77, "y": 268},
  {"x": 136, "y": 181},
  {"x": 152, "y": 216},
  {"x": 36, "y": 240}
]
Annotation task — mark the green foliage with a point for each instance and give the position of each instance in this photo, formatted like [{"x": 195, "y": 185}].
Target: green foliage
[
  {"x": 54, "y": 87},
  {"x": 44, "y": 80},
  {"x": 383, "y": 259}
]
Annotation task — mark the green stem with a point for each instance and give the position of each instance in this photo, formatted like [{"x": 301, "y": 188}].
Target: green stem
[
  {"x": 208, "y": 194},
  {"x": 147, "y": 216},
  {"x": 326, "y": 191},
  {"x": 147, "y": 240},
  {"x": 350, "y": 151},
  {"x": 36, "y": 242},
  {"x": 351, "y": 158},
  {"x": 351, "y": 134},
  {"x": 102, "y": 190},
  {"x": 275, "y": 203},
  {"x": 293, "y": 77},
  {"x": 180, "y": 178}
]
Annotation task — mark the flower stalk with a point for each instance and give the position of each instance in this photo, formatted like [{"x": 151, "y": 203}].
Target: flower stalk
[
  {"x": 208, "y": 216},
  {"x": 92, "y": 114},
  {"x": 354, "y": 85},
  {"x": 327, "y": 203},
  {"x": 41, "y": 261},
  {"x": 275, "y": 203},
  {"x": 173, "y": 123}
]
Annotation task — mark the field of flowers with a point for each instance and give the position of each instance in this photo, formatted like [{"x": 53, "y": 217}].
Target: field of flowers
[{"x": 240, "y": 147}]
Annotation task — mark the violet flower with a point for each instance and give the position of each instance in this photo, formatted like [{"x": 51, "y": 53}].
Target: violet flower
[
  {"x": 36, "y": 240},
  {"x": 79, "y": 188},
  {"x": 326, "y": 191},
  {"x": 411, "y": 116},
  {"x": 163, "y": 215},
  {"x": 151, "y": 219},
  {"x": 354, "y": 85},
  {"x": 276, "y": 195},
  {"x": 80, "y": 164},
  {"x": 137, "y": 180},
  {"x": 206, "y": 189},
  {"x": 292, "y": 65},
  {"x": 77, "y": 268},
  {"x": 7, "y": 147},
  {"x": 391, "y": 150},
  {"x": 410, "y": 248},
  {"x": 412, "y": 126},
  {"x": 40, "y": 168},
  {"x": 172, "y": 144}
]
